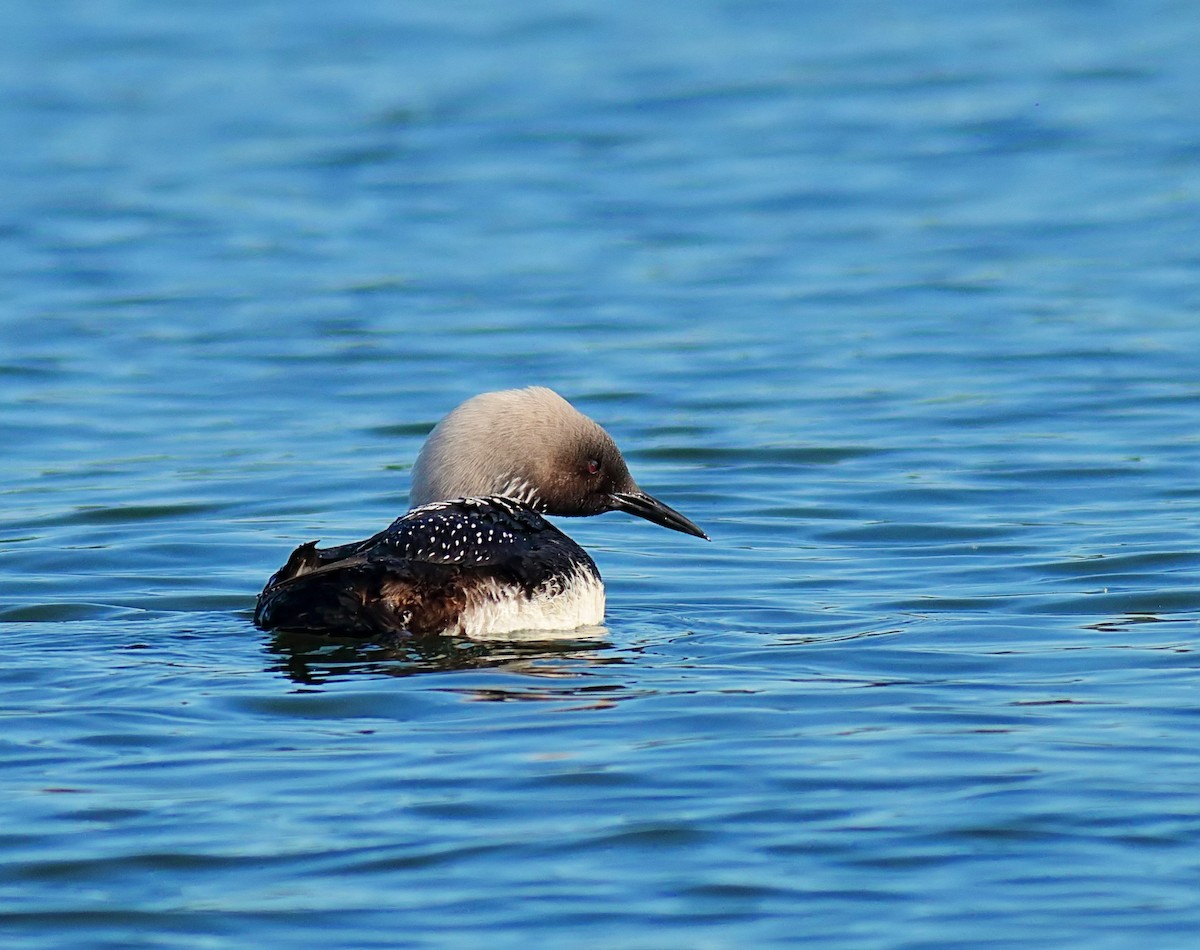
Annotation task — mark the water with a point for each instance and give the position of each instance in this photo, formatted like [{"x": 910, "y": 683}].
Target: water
[{"x": 898, "y": 302}]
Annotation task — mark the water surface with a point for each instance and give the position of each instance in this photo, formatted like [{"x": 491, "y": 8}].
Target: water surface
[{"x": 899, "y": 304}]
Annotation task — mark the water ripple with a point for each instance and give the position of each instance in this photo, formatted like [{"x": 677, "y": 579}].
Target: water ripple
[{"x": 900, "y": 305}]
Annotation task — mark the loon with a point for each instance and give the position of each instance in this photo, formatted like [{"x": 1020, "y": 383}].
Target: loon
[{"x": 474, "y": 555}]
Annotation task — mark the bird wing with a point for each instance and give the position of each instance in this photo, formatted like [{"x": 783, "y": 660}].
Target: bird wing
[{"x": 415, "y": 574}]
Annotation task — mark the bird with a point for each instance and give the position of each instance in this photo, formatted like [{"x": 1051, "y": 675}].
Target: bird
[{"x": 474, "y": 556}]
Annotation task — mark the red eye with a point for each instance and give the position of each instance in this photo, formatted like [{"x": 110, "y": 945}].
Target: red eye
[{"x": 593, "y": 467}]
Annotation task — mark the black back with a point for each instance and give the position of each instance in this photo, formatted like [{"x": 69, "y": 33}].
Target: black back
[{"x": 417, "y": 575}]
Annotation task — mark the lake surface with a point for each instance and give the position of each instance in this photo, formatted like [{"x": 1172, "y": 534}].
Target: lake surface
[{"x": 901, "y": 303}]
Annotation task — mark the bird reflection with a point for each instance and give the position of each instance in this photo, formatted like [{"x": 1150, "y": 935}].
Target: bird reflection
[{"x": 563, "y": 669}]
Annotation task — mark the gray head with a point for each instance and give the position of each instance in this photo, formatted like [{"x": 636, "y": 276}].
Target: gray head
[{"x": 533, "y": 446}]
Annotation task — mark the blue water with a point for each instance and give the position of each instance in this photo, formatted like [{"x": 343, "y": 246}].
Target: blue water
[{"x": 900, "y": 302}]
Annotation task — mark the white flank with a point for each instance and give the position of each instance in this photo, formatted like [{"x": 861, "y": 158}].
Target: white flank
[{"x": 494, "y": 611}]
